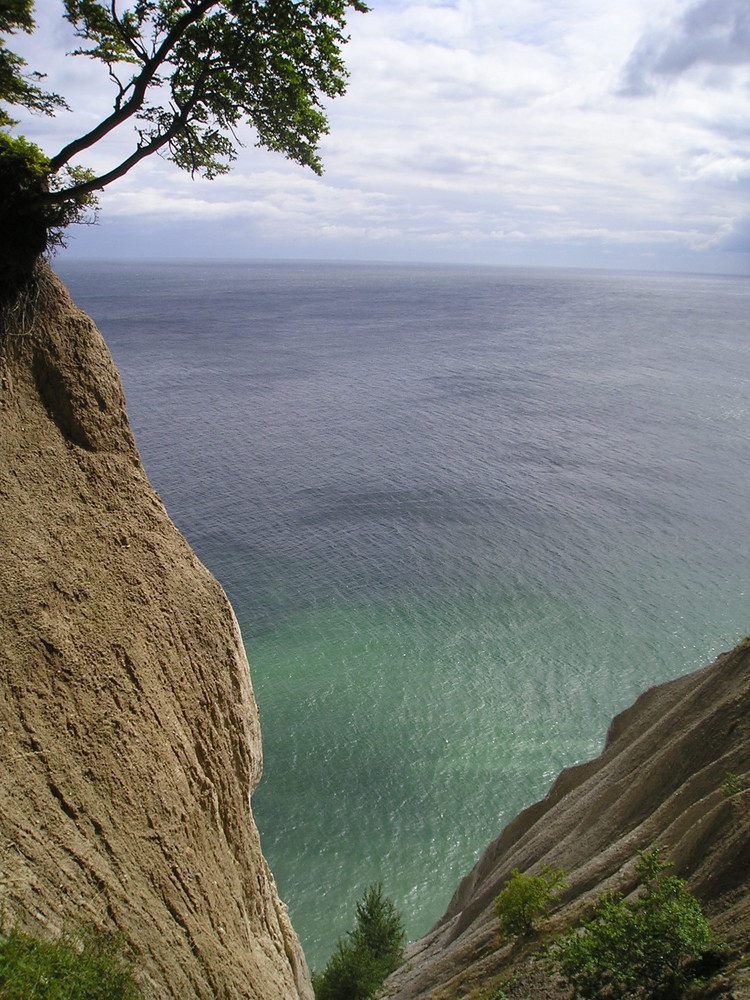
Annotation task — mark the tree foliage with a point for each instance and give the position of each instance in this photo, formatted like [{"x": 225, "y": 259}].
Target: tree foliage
[
  {"x": 372, "y": 950},
  {"x": 185, "y": 75},
  {"x": 636, "y": 946},
  {"x": 524, "y": 898},
  {"x": 18, "y": 87}
]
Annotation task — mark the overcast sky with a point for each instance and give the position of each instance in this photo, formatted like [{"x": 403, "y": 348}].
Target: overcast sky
[{"x": 602, "y": 133}]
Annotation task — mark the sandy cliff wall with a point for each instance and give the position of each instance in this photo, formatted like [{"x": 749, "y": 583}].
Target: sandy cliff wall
[
  {"x": 130, "y": 739},
  {"x": 658, "y": 782}
]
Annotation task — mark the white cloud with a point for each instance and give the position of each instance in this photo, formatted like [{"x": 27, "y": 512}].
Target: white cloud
[{"x": 472, "y": 126}]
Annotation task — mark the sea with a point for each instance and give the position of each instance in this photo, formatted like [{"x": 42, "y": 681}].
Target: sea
[{"x": 464, "y": 516}]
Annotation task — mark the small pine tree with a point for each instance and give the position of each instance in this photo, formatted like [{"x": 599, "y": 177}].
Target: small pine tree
[{"x": 372, "y": 950}]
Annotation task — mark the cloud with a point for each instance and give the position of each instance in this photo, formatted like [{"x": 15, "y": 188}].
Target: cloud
[
  {"x": 737, "y": 240},
  {"x": 713, "y": 34},
  {"x": 471, "y": 130}
]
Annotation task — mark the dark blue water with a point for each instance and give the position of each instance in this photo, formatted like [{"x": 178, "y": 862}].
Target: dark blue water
[{"x": 464, "y": 516}]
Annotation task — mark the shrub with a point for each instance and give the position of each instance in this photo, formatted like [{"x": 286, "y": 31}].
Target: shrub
[
  {"x": 372, "y": 950},
  {"x": 639, "y": 945},
  {"x": 730, "y": 785},
  {"x": 88, "y": 966},
  {"x": 525, "y": 898}
]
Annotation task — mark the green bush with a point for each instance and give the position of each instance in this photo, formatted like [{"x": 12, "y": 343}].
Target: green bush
[
  {"x": 730, "y": 785},
  {"x": 525, "y": 898},
  {"x": 88, "y": 966},
  {"x": 24, "y": 166},
  {"x": 372, "y": 950},
  {"x": 636, "y": 946}
]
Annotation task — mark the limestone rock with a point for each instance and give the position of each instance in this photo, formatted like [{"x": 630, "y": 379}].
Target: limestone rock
[{"x": 130, "y": 736}]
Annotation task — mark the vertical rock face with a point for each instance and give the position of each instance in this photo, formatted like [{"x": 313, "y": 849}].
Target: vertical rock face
[{"x": 130, "y": 738}]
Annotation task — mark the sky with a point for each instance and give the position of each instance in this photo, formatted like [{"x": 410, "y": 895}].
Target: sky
[{"x": 573, "y": 133}]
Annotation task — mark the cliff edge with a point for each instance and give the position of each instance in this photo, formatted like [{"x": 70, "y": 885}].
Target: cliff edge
[
  {"x": 130, "y": 737},
  {"x": 674, "y": 773}
]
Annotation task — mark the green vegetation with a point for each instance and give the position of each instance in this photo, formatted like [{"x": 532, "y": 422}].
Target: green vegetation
[
  {"x": 639, "y": 945},
  {"x": 33, "y": 222},
  {"x": 526, "y": 898},
  {"x": 185, "y": 75},
  {"x": 730, "y": 785},
  {"x": 372, "y": 950},
  {"x": 16, "y": 86},
  {"x": 89, "y": 966}
]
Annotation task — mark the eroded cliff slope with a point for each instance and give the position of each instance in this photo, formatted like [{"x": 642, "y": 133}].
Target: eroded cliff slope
[
  {"x": 661, "y": 780},
  {"x": 130, "y": 739}
]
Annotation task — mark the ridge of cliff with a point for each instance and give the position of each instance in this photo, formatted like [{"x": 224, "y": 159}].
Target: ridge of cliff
[
  {"x": 661, "y": 780},
  {"x": 130, "y": 735}
]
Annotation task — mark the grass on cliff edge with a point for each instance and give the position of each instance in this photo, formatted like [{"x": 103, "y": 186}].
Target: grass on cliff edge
[{"x": 85, "y": 966}]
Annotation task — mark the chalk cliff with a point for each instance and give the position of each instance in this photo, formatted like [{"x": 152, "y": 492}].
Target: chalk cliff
[
  {"x": 130, "y": 737},
  {"x": 661, "y": 780}
]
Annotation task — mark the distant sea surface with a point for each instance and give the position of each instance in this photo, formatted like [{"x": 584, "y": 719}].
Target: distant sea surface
[{"x": 464, "y": 516}]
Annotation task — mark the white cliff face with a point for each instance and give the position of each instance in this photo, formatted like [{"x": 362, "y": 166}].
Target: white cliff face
[{"x": 131, "y": 742}]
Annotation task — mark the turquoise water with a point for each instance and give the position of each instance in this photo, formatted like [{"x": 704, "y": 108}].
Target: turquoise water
[{"x": 464, "y": 516}]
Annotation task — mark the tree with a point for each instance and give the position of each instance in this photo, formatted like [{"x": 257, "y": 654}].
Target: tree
[
  {"x": 639, "y": 945},
  {"x": 185, "y": 75},
  {"x": 372, "y": 950},
  {"x": 524, "y": 898}
]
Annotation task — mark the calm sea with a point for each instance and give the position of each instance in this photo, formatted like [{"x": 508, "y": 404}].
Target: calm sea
[{"x": 464, "y": 516}]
